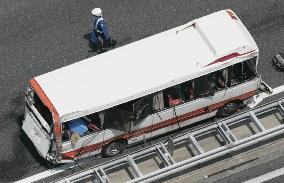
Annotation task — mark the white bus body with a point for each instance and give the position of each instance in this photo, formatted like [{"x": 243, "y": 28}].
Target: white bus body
[{"x": 149, "y": 71}]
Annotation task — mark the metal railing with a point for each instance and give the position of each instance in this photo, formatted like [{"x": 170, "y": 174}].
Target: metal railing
[{"x": 224, "y": 132}]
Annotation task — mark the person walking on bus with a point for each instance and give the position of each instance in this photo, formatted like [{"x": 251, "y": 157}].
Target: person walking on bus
[{"x": 100, "y": 30}]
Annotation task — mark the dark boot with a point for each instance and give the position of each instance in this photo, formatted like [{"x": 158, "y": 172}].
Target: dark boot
[
  {"x": 110, "y": 43},
  {"x": 96, "y": 47}
]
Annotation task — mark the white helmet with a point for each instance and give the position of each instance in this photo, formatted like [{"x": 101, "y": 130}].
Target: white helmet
[{"x": 97, "y": 12}]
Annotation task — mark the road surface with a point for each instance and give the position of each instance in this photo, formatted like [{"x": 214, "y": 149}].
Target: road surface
[{"x": 37, "y": 36}]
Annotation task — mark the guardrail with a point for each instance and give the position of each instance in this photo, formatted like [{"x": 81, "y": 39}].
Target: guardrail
[{"x": 222, "y": 138}]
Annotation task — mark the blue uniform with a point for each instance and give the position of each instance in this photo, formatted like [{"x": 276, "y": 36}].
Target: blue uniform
[{"x": 100, "y": 30}]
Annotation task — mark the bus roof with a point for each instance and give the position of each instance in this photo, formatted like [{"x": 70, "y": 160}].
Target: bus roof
[{"x": 147, "y": 66}]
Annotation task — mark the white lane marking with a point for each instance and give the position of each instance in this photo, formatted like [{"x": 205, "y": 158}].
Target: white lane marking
[
  {"x": 268, "y": 176},
  {"x": 277, "y": 90},
  {"x": 258, "y": 98},
  {"x": 47, "y": 173}
]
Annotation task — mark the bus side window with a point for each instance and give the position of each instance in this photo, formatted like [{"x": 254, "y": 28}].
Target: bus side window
[
  {"x": 221, "y": 79},
  {"x": 75, "y": 126},
  {"x": 94, "y": 122},
  {"x": 143, "y": 107},
  {"x": 242, "y": 72},
  {"x": 173, "y": 96},
  {"x": 204, "y": 86},
  {"x": 117, "y": 119},
  {"x": 188, "y": 89},
  {"x": 251, "y": 67}
]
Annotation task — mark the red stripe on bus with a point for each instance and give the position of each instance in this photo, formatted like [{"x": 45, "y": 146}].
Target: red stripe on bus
[
  {"x": 227, "y": 57},
  {"x": 232, "y": 15},
  {"x": 163, "y": 124}
]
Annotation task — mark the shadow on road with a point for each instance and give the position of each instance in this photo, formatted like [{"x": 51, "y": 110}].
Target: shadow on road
[
  {"x": 103, "y": 47},
  {"x": 22, "y": 154},
  {"x": 88, "y": 38}
]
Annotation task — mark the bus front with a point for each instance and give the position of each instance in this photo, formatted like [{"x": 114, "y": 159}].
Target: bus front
[{"x": 39, "y": 123}]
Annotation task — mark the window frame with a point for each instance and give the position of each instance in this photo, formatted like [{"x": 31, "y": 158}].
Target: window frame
[{"x": 253, "y": 73}]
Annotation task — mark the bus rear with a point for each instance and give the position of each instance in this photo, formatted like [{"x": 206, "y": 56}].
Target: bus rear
[
  {"x": 38, "y": 122},
  {"x": 41, "y": 123}
]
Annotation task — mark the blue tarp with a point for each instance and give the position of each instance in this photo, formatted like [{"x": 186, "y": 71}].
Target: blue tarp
[{"x": 78, "y": 125}]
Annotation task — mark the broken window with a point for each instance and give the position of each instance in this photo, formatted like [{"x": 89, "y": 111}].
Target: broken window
[
  {"x": 173, "y": 96},
  {"x": 188, "y": 88},
  {"x": 242, "y": 72},
  {"x": 221, "y": 79},
  {"x": 128, "y": 106},
  {"x": 204, "y": 86},
  {"x": 82, "y": 126},
  {"x": 118, "y": 119},
  {"x": 94, "y": 121},
  {"x": 143, "y": 107}
]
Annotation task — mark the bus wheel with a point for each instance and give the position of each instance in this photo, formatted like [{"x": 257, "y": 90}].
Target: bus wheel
[
  {"x": 228, "y": 109},
  {"x": 114, "y": 148}
]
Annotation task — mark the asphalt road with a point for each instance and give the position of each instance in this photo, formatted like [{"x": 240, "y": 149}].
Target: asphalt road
[
  {"x": 256, "y": 171},
  {"x": 37, "y": 36}
]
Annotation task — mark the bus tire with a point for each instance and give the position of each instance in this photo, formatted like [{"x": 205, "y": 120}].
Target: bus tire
[
  {"x": 114, "y": 148},
  {"x": 228, "y": 109}
]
